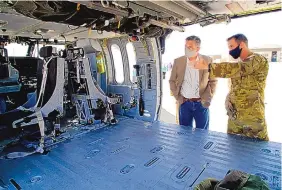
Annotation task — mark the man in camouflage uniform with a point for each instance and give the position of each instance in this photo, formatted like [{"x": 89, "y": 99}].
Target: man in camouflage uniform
[{"x": 245, "y": 101}]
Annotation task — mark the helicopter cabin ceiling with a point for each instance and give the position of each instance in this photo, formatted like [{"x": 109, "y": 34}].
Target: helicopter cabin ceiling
[{"x": 71, "y": 20}]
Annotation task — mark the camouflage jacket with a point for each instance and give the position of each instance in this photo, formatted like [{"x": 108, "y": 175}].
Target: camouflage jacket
[{"x": 248, "y": 80}]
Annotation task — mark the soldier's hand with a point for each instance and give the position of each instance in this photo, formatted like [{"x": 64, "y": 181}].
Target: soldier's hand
[{"x": 202, "y": 62}]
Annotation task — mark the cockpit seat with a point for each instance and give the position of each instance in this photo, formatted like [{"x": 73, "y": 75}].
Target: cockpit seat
[{"x": 7, "y": 119}]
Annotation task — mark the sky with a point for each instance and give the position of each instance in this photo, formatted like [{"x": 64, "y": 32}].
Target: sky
[{"x": 264, "y": 29}]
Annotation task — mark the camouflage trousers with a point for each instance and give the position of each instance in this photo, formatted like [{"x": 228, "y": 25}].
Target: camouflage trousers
[
  {"x": 248, "y": 128},
  {"x": 246, "y": 117}
]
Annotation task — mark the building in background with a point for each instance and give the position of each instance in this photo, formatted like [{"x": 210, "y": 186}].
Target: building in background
[{"x": 273, "y": 53}]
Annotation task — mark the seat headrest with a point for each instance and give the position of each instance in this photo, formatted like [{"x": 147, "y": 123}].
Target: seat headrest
[{"x": 47, "y": 51}]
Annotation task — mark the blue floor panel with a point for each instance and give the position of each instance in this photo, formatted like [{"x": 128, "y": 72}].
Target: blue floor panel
[{"x": 139, "y": 155}]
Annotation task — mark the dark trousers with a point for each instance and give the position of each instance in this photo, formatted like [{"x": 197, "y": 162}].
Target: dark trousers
[{"x": 194, "y": 110}]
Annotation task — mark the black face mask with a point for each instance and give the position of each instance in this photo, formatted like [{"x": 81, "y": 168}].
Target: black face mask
[{"x": 235, "y": 53}]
